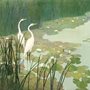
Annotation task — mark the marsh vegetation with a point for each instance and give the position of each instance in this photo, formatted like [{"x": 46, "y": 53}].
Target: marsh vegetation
[
  {"x": 61, "y": 49},
  {"x": 38, "y": 76}
]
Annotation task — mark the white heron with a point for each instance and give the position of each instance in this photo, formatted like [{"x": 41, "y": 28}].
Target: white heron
[
  {"x": 30, "y": 42},
  {"x": 20, "y": 34}
]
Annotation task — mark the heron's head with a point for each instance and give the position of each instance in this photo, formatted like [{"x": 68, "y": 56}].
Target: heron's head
[
  {"x": 23, "y": 19},
  {"x": 32, "y": 24}
]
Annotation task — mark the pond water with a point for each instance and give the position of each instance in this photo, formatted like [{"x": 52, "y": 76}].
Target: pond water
[
  {"x": 37, "y": 54},
  {"x": 78, "y": 35},
  {"x": 75, "y": 35},
  {"x": 84, "y": 51},
  {"x": 68, "y": 83}
]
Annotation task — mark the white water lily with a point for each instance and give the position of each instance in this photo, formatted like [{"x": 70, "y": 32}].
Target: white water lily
[
  {"x": 43, "y": 65},
  {"x": 83, "y": 19},
  {"x": 38, "y": 50},
  {"x": 72, "y": 21},
  {"x": 48, "y": 27},
  {"x": 67, "y": 51},
  {"x": 1, "y": 63},
  {"x": 61, "y": 55},
  {"x": 7, "y": 38},
  {"x": 55, "y": 30},
  {"x": 58, "y": 51},
  {"x": 60, "y": 46},
  {"x": 52, "y": 58}
]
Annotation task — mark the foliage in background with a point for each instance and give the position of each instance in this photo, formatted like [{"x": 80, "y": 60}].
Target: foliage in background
[{"x": 11, "y": 11}]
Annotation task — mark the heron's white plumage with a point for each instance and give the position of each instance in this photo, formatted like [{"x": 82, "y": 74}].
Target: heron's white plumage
[
  {"x": 30, "y": 42},
  {"x": 29, "y": 45},
  {"x": 21, "y": 39},
  {"x": 20, "y": 34}
]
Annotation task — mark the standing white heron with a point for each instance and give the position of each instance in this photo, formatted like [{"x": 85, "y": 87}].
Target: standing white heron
[
  {"x": 20, "y": 34},
  {"x": 30, "y": 42}
]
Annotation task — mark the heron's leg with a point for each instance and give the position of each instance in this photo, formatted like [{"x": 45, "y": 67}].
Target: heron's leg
[
  {"x": 29, "y": 55},
  {"x": 19, "y": 50},
  {"x": 27, "y": 60}
]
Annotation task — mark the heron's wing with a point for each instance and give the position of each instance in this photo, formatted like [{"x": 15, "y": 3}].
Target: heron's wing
[{"x": 29, "y": 45}]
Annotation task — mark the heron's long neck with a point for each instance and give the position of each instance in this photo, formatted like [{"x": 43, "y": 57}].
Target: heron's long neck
[
  {"x": 31, "y": 33},
  {"x": 19, "y": 29}
]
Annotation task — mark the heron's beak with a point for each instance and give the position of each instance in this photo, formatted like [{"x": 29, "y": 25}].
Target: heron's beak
[
  {"x": 24, "y": 19},
  {"x": 34, "y": 23}
]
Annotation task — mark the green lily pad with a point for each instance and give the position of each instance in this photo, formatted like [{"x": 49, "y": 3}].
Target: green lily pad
[
  {"x": 82, "y": 69},
  {"x": 75, "y": 60},
  {"x": 87, "y": 72},
  {"x": 58, "y": 67},
  {"x": 81, "y": 89},
  {"x": 86, "y": 79},
  {"x": 73, "y": 68},
  {"x": 80, "y": 84},
  {"x": 77, "y": 75}
]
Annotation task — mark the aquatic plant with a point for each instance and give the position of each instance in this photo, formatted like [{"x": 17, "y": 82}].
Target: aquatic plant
[{"x": 39, "y": 76}]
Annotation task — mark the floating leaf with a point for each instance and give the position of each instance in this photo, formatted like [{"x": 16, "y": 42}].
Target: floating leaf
[
  {"x": 77, "y": 75},
  {"x": 82, "y": 69},
  {"x": 76, "y": 81},
  {"x": 73, "y": 68},
  {"x": 58, "y": 67},
  {"x": 86, "y": 79},
  {"x": 87, "y": 72},
  {"x": 81, "y": 89},
  {"x": 81, "y": 84},
  {"x": 75, "y": 60}
]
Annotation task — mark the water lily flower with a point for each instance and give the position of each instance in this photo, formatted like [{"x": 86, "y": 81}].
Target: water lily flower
[
  {"x": 7, "y": 38},
  {"x": 52, "y": 58},
  {"x": 58, "y": 51},
  {"x": 67, "y": 51},
  {"x": 48, "y": 27},
  {"x": 38, "y": 50},
  {"x": 43, "y": 65},
  {"x": 55, "y": 30},
  {"x": 83, "y": 19},
  {"x": 72, "y": 20},
  {"x": 60, "y": 46},
  {"x": 61, "y": 55}
]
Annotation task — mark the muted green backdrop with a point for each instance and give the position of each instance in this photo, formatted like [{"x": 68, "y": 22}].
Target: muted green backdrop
[{"x": 11, "y": 11}]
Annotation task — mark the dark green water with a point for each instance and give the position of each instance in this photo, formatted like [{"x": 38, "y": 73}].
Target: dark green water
[{"x": 11, "y": 11}]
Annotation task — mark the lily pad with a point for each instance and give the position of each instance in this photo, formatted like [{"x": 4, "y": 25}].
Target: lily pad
[
  {"x": 80, "y": 84},
  {"x": 73, "y": 68},
  {"x": 75, "y": 60}
]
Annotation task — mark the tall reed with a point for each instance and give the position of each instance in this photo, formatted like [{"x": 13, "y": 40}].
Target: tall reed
[{"x": 10, "y": 73}]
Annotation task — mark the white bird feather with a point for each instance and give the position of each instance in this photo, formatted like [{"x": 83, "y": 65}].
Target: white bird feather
[
  {"x": 30, "y": 42},
  {"x": 20, "y": 34}
]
